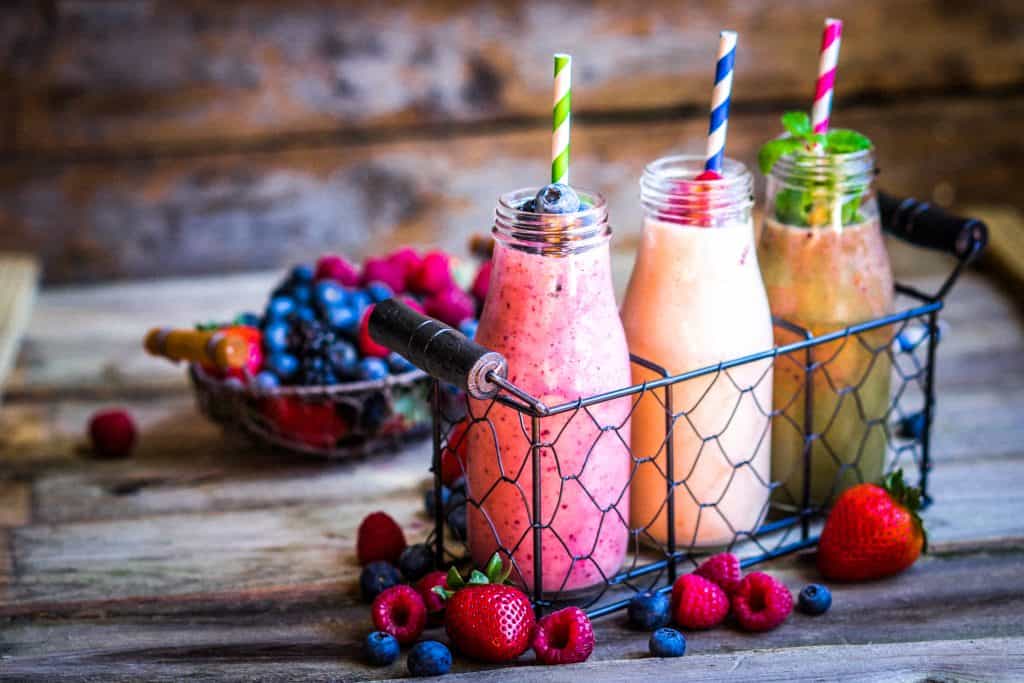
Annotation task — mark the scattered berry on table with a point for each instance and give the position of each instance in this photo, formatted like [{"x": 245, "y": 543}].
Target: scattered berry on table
[
  {"x": 379, "y": 291},
  {"x": 372, "y": 369},
  {"x": 398, "y": 363},
  {"x": 557, "y": 198},
  {"x": 415, "y": 561},
  {"x": 698, "y": 603},
  {"x": 367, "y": 345},
  {"x": 433, "y": 601},
  {"x": 379, "y": 538},
  {"x": 433, "y": 274},
  {"x": 722, "y": 569},
  {"x": 400, "y": 611},
  {"x": 667, "y": 642},
  {"x": 487, "y": 620},
  {"x": 451, "y": 306},
  {"x": 648, "y": 610},
  {"x": 280, "y": 307},
  {"x": 381, "y": 648},
  {"x": 564, "y": 637},
  {"x": 112, "y": 433},
  {"x": 334, "y": 267},
  {"x": 761, "y": 602},
  {"x": 814, "y": 599},
  {"x": 482, "y": 282},
  {"x": 377, "y": 577},
  {"x": 428, "y": 499},
  {"x": 468, "y": 327},
  {"x": 265, "y": 381},
  {"x": 429, "y": 658},
  {"x": 284, "y": 365},
  {"x": 383, "y": 271},
  {"x": 872, "y": 531},
  {"x": 275, "y": 336}
]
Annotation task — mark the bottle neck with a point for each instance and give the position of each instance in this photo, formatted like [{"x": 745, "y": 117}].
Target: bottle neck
[
  {"x": 808, "y": 189},
  {"x": 670, "y": 192},
  {"x": 551, "y": 234}
]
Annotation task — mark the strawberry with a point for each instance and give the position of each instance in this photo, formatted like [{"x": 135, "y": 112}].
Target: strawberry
[
  {"x": 314, "y": 424},
  {"x": 722, "y": 569},
  {"x": 379, "y": 538},
  {"x": 400, "y": 611},
  {"x": 453, "y": 457},
  {"x": 485, "y": 619},
  {"x": 564, "y": 637},
  {"x": 367, "y": 345},
  {"x": 761, "y": 602},
  {"x": 434, "y": 274},
  {"x": 697, "y": 603},
  {"x": 873, "y": 531}
]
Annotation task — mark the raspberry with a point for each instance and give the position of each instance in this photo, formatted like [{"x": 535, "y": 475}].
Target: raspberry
[
  {"x": 379, "y": 538},
  {"x": 482, "y": 282},
  {"x": 761, "y": 602},
  {"x": 722, "y": 569},
  {"x": 406, "y": 261},
  {"x": 709, "y": 175},
  {"x": 400, "y": 611},
  {"x": 366, "y": 343},
  {"x": 112, "y": 433},
  {"x": 452, "y": 306},
  {"x": 334, "y": 267},
  {"x": 433, "y": 601},
  {"x": 434, "y": 274},
  {"x": 564, "y": 637},
  {"x": 381, "y": 270},
  {"x": 698, "y": 603}
]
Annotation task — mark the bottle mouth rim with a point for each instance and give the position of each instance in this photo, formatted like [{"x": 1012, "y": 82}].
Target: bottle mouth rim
[
  {"x": 553, "y": 234},
  {"x": 809, "y": 166},
  {"x": 669, "y": 189},
  {"x": 512, "y": 202}
]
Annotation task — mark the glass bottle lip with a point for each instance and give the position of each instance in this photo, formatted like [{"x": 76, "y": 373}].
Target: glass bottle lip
[
  {"x": 670, "y": 191},
  {"x": 806, "y": 168},
  {"x": 551, "y": 233}
]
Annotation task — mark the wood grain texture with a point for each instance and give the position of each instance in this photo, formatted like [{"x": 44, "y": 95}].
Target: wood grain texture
[
  {"x": 165, "y": 74},
  {"x": 146, "y": 217},
  {"x": 19, "y": 278}
]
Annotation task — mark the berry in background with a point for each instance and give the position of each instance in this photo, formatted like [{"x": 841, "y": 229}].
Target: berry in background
[
  {"x": 814, "y": 599},
  {"x": 376, "y": 578},
  {"x": 667, "y": 642},
  {"x": 112, "y": 433},
  {"x": 429, "y": 658},
  {"x": 648, "y": 610},
  {"x": 381, "y": 648}
]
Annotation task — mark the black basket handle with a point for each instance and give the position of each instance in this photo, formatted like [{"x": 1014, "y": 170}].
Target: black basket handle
[
  {"x": 925, "y": 225},
  {"x": 439, "y": 350}
]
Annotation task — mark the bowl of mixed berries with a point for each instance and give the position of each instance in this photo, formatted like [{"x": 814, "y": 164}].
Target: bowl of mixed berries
[{"x": 314, "y": 381}]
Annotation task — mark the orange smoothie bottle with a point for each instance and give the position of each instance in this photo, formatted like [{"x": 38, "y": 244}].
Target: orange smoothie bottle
[{"x": 696, "y": 298}]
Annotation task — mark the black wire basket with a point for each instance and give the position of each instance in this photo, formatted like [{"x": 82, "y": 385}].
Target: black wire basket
[{"x": 599, "y": 565}]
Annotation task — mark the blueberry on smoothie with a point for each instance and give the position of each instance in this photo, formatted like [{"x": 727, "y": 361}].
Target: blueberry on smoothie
[{"x": 557, "y": 198}]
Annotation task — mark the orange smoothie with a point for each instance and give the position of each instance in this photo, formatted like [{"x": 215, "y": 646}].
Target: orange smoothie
[{"x": 696, "y": 298}]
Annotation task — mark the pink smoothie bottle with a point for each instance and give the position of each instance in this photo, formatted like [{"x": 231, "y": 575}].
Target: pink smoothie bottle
[{"x": 551, "y": 312}]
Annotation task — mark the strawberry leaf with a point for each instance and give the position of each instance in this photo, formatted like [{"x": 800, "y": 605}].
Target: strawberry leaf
[
  {"x": 478, "y": 578},
  {"x": 910, "y": 498},
  {"x": 797, "y": 123},
  {"x": 454, "y": 579},
  {"x": 443, "y": 592},
  {"x": 493, "y": 568}
]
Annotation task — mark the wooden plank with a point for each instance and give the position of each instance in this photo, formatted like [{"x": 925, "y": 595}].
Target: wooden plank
[
  {"x": 1005, "y": 254},
  {"x": 19, "y": 275},
  {"x": 146, "y": 217},
  {"x": 222, "y": 72}
]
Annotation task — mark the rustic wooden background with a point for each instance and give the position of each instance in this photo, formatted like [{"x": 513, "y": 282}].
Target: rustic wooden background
[{"x": 150, "y": 137}]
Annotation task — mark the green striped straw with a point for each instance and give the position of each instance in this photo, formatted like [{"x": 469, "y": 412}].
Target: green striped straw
[{"x": 562, "y": 115}]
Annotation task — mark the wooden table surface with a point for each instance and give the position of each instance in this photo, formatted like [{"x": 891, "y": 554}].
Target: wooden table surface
[{"x": 200, "y": 557}]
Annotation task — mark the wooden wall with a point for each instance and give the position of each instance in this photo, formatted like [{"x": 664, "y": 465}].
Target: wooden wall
[{"x": 147, "y": 137}]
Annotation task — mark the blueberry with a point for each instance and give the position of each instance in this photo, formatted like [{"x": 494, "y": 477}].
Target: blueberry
[
  {"x": 428, "y": 499},
  {"x": 249, "y": 319},
  {"x": 284, "y": 365},
  {"x": 378, "y": 291},
  {"x": 457, "y": 521},
  {"x": 381, "y": 648},
  {"x": 415, "y": 561},
  {"x": 266, "y": 381},
  {"x": 343, "y": 358},
  {"x": 667, "y": 642},
  {"x": 275, "y": 336},
  {"x": 468, "y": 328},
  {"x": 557, "y": 198},
  {"x": 329, "y": 294},
  {"x": 912, "y": 426},
  {"x": 529, "y": 206},
  {"x": 304, "y": 313},
  {"x": 359, "y": 300},
  {"x": 459, "y": 486},
  {"x": 342, "y": 318},
  {"x": 372, "y": 368},
  {"x": 302, "y": 273},
  {"x": 814, "y": 599},
  {"x": 648, "y": 611},
  {"x": 429, "y": 658},
  {"x": 280, "y": 307},
  {"x": 302, "y": 293},
  {"x": 377, "y": 577},
  {"x": 398, "y": 363}
]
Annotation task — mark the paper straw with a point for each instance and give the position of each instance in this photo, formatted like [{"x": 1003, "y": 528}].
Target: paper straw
[
  {"x": 826, "y": 75},
  {"x": 562, "y": 115},
  {"x": 720, "y": 96}
]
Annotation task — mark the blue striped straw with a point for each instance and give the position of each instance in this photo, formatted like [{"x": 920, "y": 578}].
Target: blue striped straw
[{"x": 720, "y": 96}]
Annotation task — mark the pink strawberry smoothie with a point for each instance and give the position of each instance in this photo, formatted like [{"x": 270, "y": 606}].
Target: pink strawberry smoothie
[{"x": 551, "y": 312}]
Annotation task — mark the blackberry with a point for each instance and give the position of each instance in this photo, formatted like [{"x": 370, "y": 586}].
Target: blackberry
[
  {"x": 310, "y": 338},
  {"x": 316, "y": 371}
]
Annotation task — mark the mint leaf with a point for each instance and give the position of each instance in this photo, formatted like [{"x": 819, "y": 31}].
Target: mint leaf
[
  {"x": 773, "y": 150},
  {"x": 793, "y": 206},
  {"x": 797, "y": 123},
  {"x": 841, "y": 141}
]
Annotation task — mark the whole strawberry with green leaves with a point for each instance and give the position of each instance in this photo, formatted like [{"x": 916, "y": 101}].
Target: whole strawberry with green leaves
[
  {"x": 486, "y": 619},
  {"x": 873, "y": 531}
]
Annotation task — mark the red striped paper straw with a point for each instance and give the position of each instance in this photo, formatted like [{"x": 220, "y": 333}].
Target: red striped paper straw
[{"x": 826, "y": 75}]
